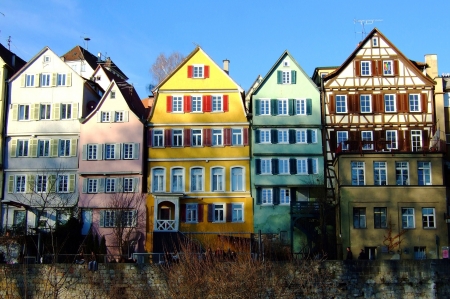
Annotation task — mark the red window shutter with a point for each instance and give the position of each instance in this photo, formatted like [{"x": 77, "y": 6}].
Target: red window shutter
[
  {"x": 206, "y": 70},
  {"x": 380, "y": 68},
  {"x": 424, "y": 102},
  {"x": 149, "y": 137},
  {"x": 227, "y": 136},
  {"x": 207, "y": 103},
  {"x": 225, "y": 103},
  {"x": 187, "y": 137},
  {"x": 183, "y": 212},
  {"x": 245, "y": 136},
  {"x": 374, "y": 68},
  {"x": 168, "y": 137},
  {"x": 190, "y": 71},
  {"x": 187, "y": 104},
  {"x": 229, "y": 212},
  {"x": 200, "y": 208},
  {"x": 207, "y": 137},
  {"x": 395, "y": 67},
  {"x": 332, "y": 105},
  {"x": 169, "y": 103},
  {"x": 376, "y": 103},
  {"x": 357, "y": 64},
  {"x": 407, "y": 143},
  {"x": 399, "y": 103}
]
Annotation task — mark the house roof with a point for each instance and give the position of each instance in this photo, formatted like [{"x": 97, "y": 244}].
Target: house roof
[
  {"x": 411, "y": 63},
  {"x": 13, "y": 61},
  {"x": 31, "y": 61}
]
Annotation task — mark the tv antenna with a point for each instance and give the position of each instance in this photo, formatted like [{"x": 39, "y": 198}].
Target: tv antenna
[
  {"x": 363, "y": 24},
  {"x": 86, "y": 40}
]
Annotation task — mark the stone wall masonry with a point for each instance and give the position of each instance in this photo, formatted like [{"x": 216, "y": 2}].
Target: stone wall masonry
[{"x": 353, "y": 279}]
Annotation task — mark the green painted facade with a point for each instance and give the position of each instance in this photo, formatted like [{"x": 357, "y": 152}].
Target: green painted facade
[{"x": 287, "y": 159}]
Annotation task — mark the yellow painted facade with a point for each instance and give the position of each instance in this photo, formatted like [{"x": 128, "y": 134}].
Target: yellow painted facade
[{"x": 218, "y": 198}]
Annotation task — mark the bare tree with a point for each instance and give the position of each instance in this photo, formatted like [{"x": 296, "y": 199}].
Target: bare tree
[{"x": 164, "y": 65}]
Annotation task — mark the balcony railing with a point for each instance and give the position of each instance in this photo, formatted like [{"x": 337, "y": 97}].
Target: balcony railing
[
  {"x": 165, "y": 225},
  {"x": 305, "y": 208},
  {"x": 385, "y": 145}
]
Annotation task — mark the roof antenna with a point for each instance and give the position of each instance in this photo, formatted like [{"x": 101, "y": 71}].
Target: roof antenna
[
  {"x": 86, "y": 40},
  {"x": 363, "y": 23},
  {"x": 9, "y": 42}
]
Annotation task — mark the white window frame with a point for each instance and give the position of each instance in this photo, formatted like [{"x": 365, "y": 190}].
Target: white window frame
[
  {"x": 414, "y": 102},
  {"x": 110, "y": 185},
  {"x": 177, "y": 179},
  {"x": 92, "y": 185},
  {"x": 191, "y": 213},
  {"x": 23, "y": 112},
  {"x": 283, "y": 106},
  {"x": 177, "y": 137},
  {"x": 266, "y": 196},
  {"x": 302, "y": 166},
  {"x": 63, "y": 183},
  {"x": 23, "y": 148},
  {"x": 301, "y": 136},
  {"x": 264, "y": 136},
  {"x": 424, "y": 173},
  {"x": 391, "y": 135},
  {"x": 301, "y": 107},
  {"x": 66, "y": 111},
  {"x": 286, "y": 77},
  {"x": 217, "y": 137},
  {"x": 61, "y": 79},
  {"x": 198, "y": 71},
  {"x": 285, "y": 196},
  {"x": 365, "y": 99},
  {"x": 416, "y": 140},
  {"x": 196, "y": 103},
  {"x": 217, "y": 103},
  {"x": 408, "y": 218},
  {"x": 109, "y": 218},
  {"x": 237, "y": 179},
  {"x": 390, "y": 70},
  {"x": 43, "y": 148},
  {"x": 45, "y": 112},
  {"x": 110, "y": 151},
  {"x": 283, "y": 136},
  {"x": 219, "y": 213},
  {"x": 197, "y": 180},
  {"x": 358, "y": 171},
  {"x": 266, "y": 166},
  {"x": 158, "y": 138},
  {"x": 367, "y": 136},
  {"x": 20, "y": 183},
  {"x": 128, "y": 150},
  {"x": 64, "y": 147},
  {"x": 315, "y": 165},
  {"x": 41, "y": 183},
  {"x": 428, "y": 217},
  {"x": 92, "y": 151},
  {"x": 390, "y": 105},
  {"x": 237, "y": 137},
  {"x": 29, "y": 80},
  {"x": 106, "y": 116},
  {"x": 177, "y": 104},
  {"x": 380, "y": 172},
  {"x": 341, "y": 103},
  {"x": 128, "y": 185},
  {"x": 158, "y": 179},
  {"x": 283, "y": 166},
  {"x": 237, "y": 212},
  {"x": 366, "y": 68},
  {"x": 264, "y": 107},
  {"x": 46, "y": 80},
  {"x": 402, "y": 170},
  {"x": 217, "y": 179},
  {"x": 197, "y": 135},
  {"x": 119, "y": 116},
  {"x": 341, "y": 137}
]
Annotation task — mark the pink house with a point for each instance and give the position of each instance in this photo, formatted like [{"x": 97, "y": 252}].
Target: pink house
[{"x": 112, "y": 188}]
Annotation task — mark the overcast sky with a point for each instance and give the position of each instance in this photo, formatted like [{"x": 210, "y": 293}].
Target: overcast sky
[{"x": 251, "y": 34}]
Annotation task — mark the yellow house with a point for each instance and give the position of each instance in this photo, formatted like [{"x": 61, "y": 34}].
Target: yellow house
[{"x": 198, "y": 160}]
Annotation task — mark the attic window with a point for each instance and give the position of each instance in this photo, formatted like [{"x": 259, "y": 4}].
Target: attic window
[
  {"x": 323, "y": 75},
  {"x": 113, "y": 94},
  {"x": 46, "y": 58},
  {"x": 285, "y": 63},
  {"x": 375, "y": 42}
]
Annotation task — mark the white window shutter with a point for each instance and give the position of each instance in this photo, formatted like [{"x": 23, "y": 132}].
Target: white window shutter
[
  {"x": 13, "y": 152},
  {"x": 69, "y": 79},
  {"x": 34, "y": 111},
  {"x": 29, "y": 186},
  {"x": 99, "y": 116},
  {"x": 54, "y": 76},
  {"x": 54, "y": 147},
  {"x": 101, "y": 185},
  {"x": 136, "y": 185},
  {"x": 72, "y": 182},
  {"x": 84, "y": 153},
  {"x": 73, "y": 147},
  {"x": 11, "y": 184},
  {"x": 85, "y": 183},
  {"x": 135, "y": 151},
  {"x": 56, "y": 114},
  {"x": 22, "y": 80},
  {"x": 33, "y": 147},
  {"x": 37, "y": 80},
  {"x": 15, "y": 112},
  {"x": 125, "y": 116},
  {"x": 74, "y": 110},
  {"x": 99, "y": 151},
  {"x": 117, "y": 151}
]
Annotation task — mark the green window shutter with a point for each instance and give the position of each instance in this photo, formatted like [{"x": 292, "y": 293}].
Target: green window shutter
[
  {"x": 34, "y": 113},
  {"x": 101, "y": 185},
  {"x": 117, "y": 148},
  {"x": 279, "y": 77},
  {"x": 85, "y": 183},
  {"x": 273, "y": 107},
  {"x": 10, "y": 184},
  {"x": 13, "y": 152},
  {"x": 54, "y": 79},
  {"x": 72, "y": 182},
  {"x": 15, "y": 112},
  {"x": 37, "y": 80},
  {"x": 84, "y": 153},
  {"x": 293, "y": 77},
  {"x": 69, "y": 79},
  {"x": 30, "y": 183},
  {"x": 135, "y": 151},
  {"x": 22, "y": 80},
  {"x": 74, "y": 110},
  {"x": 52, "y": 183},
  {"x": 99, "y": 151},
  {"x": 56, "y": 113},
  {"x": 308, "y": 106},
  {"x": 102, "y": 218},
  {"x": 291, "y": 106},
  {"x": 33, "y": 148},
  {"x": 73, "y": 147},
  {"x": 53, "y": 147},
  {"x": 257, "y": 107}
]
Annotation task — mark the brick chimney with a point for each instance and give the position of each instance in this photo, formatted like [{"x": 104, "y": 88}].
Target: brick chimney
[
  {"x": 431, "y": 61},
  {"x": 226, "y": 64}
]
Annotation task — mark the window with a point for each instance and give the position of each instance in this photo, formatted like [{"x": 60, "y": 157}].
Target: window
[
  {"x": 196, "y": 104},
  {"x": 196, "y": 137},
  {"x": 43, "y": 148},
  {"x": 301, "y": 136},
  {"x": 45, "y": 80},
  {"x": 128, "y": 218},
  {"x": 118, "y": 116},
  {"x": 313, "y": 136},
  {"x": 236, "y": 137},
  {"x": 379, "y": 217},
  {"x": 92, "y": 186},
  {"x": 217, "y": 179},
  {"x": 266, "y": 166},
  {"x": 63, "y": 183},
  {"x": 61, "y": 80},
  {"x": 197, "y": 71},
  {"x": 314, "y": 166},
  {"x": 283, "y": 107},
  {"x": 217, "y": 103},
  {"x": 128, "y": 149},
  {"x": 414, "y": 103},
  {"x": 365, "y": 103},
  {"x": 416, "y": 140},
  {"x": 375, "y": 42},
  {"x": 158, "y": 183},
  {"x": 286, "y": 77},
  {"x": 41, "y": 183},
  {"x": 367, "y": 138},
  {"x": 302, "y": 166},
  {"x": 357, "y": 173},
  {"x": 128, "y": 185},
  {"x": 219, "y": 213},
  {"x": 408, "y": 218},
  {"x": 217, "y": 137},
  {"x": 92, "y": 151},
  {"x": 342, "y": 136},
  {"x": 106, "y": 116},
  {"x": 177, "y": 180},
  {"x": 283, "y": 166},
  {"x": 389, "y": 103},
  {"x": 379, "y": 173},
  {"x": 109, "y": 218},
  {"x": 264, "y": 136},
  {"x": 177, "y": 137},
  {"x": 113, "y": 95},
  {"x": 283, "y": 135},
  {"x": 388, "y": 68},
  {"x": 110, "y": 185},
  {"x": 365, "y": 68},
  {"x": 300, "y": 107},
  {"x": 29, "y": 80},
  {"x": 359, "y": 217},
  {"x": 45, "y": 111},
  {"x": 191, "y": 212},
  {"x": 20, "y": 183},
  {"x": 392, "y": 137},
  {"x": 237, "y": 213},
  {"x": 402, "y": 173},
  {"x": 196, "y": 179},
  {"x": 341, "y": 104},
  {"x": 177, "y": 104},
  {"x": 110, "y": 151},
  {"x": 424, "y": 173},
  {"x": 66, "y": 111},
  {"x": 22, "y": 148},
  {"x": 420, "y": 252},
  {"x": 64, "y": 147},
  {"x": 266, "y": 196},
  {"x": 24, "y": 112},
  {"x": 158, "y": 138},
  {"x": 264, "y": 107},
  {"x": 286, "y": 63},
  {"x": 237, "y": 179},
  {"x": 428, "y": 218},
  {"x": 285, "y": 196}
]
